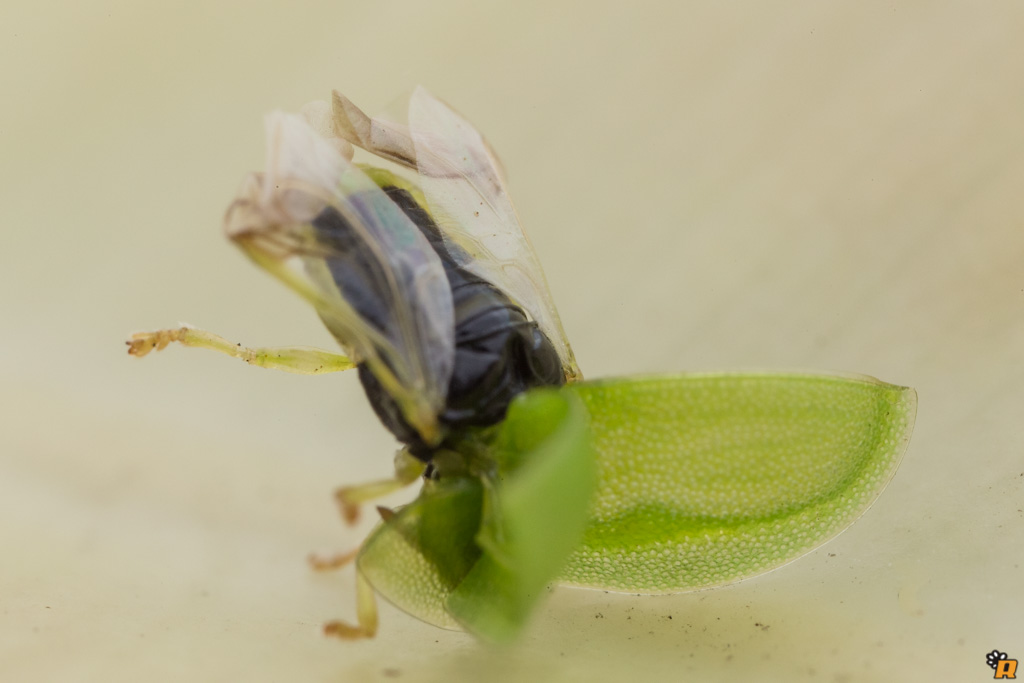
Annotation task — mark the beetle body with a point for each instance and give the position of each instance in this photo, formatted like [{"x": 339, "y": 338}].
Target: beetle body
[{"x": 499, "y": 351}]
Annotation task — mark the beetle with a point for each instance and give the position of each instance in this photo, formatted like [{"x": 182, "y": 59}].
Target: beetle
[{"x": 418, "y": 266}]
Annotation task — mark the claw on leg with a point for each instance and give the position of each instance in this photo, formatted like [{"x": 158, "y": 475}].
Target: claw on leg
[
  {"x": 366, "y": 615},
  {"x": 142, "y": 343}
]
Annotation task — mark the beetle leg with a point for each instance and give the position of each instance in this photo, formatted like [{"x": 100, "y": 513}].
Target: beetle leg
[
  {"x": 332, "y": 562},
  {"x": 349, "y": 498},
  {"x": 297, "y": 359},
  {"x": 366, "y": 615}
]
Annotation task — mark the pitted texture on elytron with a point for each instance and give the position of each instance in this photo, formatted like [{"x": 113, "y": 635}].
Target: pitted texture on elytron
[
  {"x": 709, "y": 479},
  {"x": 418, "y": 585}
]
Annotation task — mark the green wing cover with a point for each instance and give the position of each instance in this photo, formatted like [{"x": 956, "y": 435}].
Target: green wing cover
[{"x": 706, "y": 479}]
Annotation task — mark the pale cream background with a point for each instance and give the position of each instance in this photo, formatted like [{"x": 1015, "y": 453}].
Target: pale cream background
[{"x": 831, "y": 186}]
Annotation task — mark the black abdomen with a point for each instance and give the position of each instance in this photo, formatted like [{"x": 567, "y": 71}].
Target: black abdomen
[{"x": 499, "y": 352}]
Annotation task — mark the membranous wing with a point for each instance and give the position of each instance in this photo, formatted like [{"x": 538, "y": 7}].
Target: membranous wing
[
  {"x": 324, "y": 228},
  {"x": 464, "y": 189}
]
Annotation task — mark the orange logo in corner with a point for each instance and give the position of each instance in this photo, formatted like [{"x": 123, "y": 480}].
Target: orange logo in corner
[{"x": 1004, "y": 667}]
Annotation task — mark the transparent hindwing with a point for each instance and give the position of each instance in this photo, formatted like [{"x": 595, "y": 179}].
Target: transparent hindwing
[
  {"x": 409, "y": 344},
  {"x": 464, "y": 189}
]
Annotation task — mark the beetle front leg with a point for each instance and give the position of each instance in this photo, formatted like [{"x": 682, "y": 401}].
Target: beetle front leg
[
  {"x": 350, "y": 498},
  {"x": 296, "y": 359}
]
